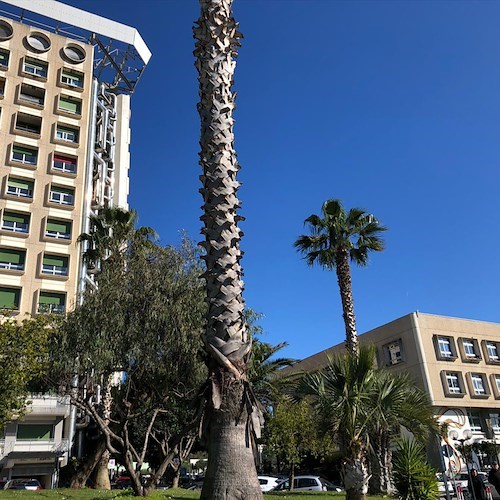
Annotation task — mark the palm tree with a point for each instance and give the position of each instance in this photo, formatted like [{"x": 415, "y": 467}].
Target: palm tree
[
  {"x": 337, "y": 238},
  {"x": 344, "y": 393},
  {"x": 400, "y": 404},
  {"x": 232, "y": 417}
]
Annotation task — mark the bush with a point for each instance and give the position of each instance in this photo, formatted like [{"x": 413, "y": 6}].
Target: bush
[{"x": 414, "y": 478}]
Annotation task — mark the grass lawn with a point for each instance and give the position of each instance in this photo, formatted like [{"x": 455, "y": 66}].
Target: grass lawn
[{"x": 173, "y": 494}]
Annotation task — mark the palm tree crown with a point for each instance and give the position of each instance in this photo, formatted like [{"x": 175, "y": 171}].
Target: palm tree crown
[{"x": 337, "y": 238}]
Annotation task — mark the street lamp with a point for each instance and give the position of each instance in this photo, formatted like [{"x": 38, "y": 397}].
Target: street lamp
[{"x": 466, "y": 435}]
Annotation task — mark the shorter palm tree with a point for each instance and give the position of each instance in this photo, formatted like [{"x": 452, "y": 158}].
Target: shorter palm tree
[{"x": 337, "y": 238}]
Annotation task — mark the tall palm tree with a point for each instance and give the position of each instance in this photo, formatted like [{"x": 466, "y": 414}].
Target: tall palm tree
[
  {"x": 232, "y": 417},
  {"x": 337, "y": 238}
]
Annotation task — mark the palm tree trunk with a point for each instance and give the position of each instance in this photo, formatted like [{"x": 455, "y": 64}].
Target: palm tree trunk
[
  {"x": 231, "y": 417},
  {"x": 345, "y": 286},
  {"x": 355, "y": 478}
]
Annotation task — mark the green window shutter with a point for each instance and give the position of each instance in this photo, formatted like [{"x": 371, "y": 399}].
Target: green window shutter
[
  {"x": 14, "y": 256},
  {"x": 66, "y": 129},
  {"x": 9, "y": 298},
  {"x": 12, "y": 217},
  {"x": 70, "y": 105},
  {"x": 54, "y": 260},
  {"x": 57, "y": 299},
  {"x": 20, "y": 184},
  {"x": 24, "y": 151},
  {"x": 57, "y": 226},
  {"x": 62, "y": 190},
  {"x": 35, "y": 432}
]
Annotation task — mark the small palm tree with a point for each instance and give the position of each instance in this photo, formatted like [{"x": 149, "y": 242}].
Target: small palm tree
[
  {"x": 400, "y": 404},
  {"x": 337, "y": 238},
  {"x": 344, "y": 393}
]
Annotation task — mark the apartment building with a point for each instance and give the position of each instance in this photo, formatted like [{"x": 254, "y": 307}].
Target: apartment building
[
  {"x": 66, "y": 77},
  {"x": 456, "y": 361}
]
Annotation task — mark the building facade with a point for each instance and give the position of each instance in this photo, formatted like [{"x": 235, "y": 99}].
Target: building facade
[
  {"x": 455, "y": 361},
  {"x": 64, "y": 155}
]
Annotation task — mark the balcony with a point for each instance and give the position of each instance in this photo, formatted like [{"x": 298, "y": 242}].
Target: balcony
[{"x": 42, "y": 405}]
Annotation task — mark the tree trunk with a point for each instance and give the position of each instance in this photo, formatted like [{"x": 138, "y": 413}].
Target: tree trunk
[
  {"x": 231, "y": 417},
  {"x": 87, "y": 466},
  {"x": 355, "y": 479},
  {"x": 231, "y": 473},
  {"x": 345, "y": 286},
  {"x": 102, "y": 481}
]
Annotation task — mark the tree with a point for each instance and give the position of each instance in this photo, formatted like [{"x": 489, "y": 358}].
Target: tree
[
  {"x": 336, "y": 238},
  {"x": 24, "y": 360},
  {"x": 143, "y": 321},
  {"x": 414, "y": 478},
  {"x": 232, "y": 416},
  {"x": 400, "y": 404},
  {"x": 112, "y": 237},
  {"x": 292, "y": 433}
]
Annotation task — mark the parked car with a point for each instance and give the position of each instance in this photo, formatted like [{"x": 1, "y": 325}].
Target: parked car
[
  {"x": 121, "y": 483},
  {"x": 308, "y": 483},
  {"x": 267, "y": 483},
  {"x": 3, "y": 482},
  {"x": 23, "y": 484},
  {"x": 462, "y": 479}
]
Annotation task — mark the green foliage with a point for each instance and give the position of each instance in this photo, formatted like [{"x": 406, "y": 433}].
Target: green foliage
[
  {"x": 414, "y": 478},
  {"x": 292, "y": 431},
  {"x": 24, "y": 360},
  {"x": 355, "y": 231}
]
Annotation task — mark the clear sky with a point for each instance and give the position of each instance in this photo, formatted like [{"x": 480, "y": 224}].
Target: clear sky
[{"x": 392, "y": 106}]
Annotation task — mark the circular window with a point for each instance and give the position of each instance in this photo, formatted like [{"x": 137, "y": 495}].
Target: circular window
[
  {"x": 6, "y": 30},
  {"x": 38, "y": 42},
  {"x": 74, "y": 53}
]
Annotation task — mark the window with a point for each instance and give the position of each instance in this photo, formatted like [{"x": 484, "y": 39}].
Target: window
[
  {"x": 70, "y": 105},
  {"x": 469, "y": 349},
  {"x": 62, "y": 196},
  {"x": 72, "y": 78},
  {"x": 28, "y": 124},
  {"x": 55, "y": 265},
  {"x": 35, "y": 67},
  {"x": 475, "y": 422},
  {"x": 20, "y": 188},
  {"x": 492, "y": 351},
  {"x": 4, "y": 59},
  {"x": 453, "y": 383},
  {"x": 497, "y": 383},
  {"x": 445, "y": 347},
  {"x": 25, "y": 155},
  {"x": 477, "y": 384},
  {"x": 64, "y": 164},
  {"x": 10, "y": 298},
  {"x": 15, "y": 222},
  {"x": 51, "y": 303},
  {"x": 12, "y": 260},
  {"x": 58, "y": 229},
  {"x": 495, "y": 422},
  {"x": 2, "y": 87},
  {"x": 66, "y": 134},
  {"x": 29, "y": 94},
  {"x": 35, "y": 432},
  {"x": 393, "y": 353}
]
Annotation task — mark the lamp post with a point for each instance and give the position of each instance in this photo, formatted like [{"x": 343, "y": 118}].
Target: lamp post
[{"x": 465, "y": 437}]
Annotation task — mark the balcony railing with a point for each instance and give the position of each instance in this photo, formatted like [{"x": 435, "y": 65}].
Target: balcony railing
[
  {"x": 51, "y": 308},
  {"x": 16, "y": 227},
  {"x": 54, "y": 270},
  {"x": 12, "y": 266}
]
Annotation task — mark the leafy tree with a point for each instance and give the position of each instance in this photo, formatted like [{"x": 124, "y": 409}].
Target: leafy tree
[
  {"x": 232, "y": 416},
  {"x": 337, "y": 238},
  {"x": 144, "y": 320},
  {"x": 24, "y": 360},
  {"x": 292, "y": 433},
  {"x": 414, "y": 478}
]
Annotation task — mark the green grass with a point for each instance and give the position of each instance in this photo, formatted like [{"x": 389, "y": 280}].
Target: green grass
[{"x": 173, "y": 494}]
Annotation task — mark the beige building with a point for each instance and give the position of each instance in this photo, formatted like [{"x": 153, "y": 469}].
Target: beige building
[
  {"x": 66, "y": 77},
  {"x": 456, "y": 361}
]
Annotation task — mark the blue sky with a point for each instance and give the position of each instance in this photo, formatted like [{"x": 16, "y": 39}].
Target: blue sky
[{"x": 392, "y": 106}]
